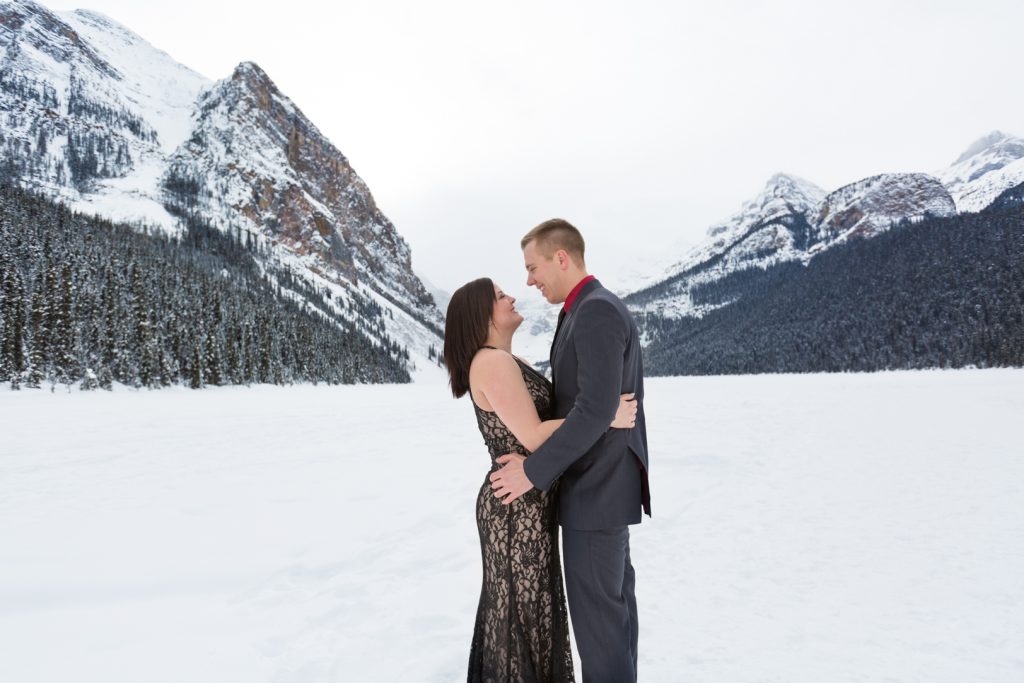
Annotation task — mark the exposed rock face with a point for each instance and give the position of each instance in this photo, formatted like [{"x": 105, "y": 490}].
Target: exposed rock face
[
  {"x": 792, "y": 220},
  {"x": 872, "y": 205},
  {"x": 93, "y": 115},
  {"x": 254, "y": 157}
]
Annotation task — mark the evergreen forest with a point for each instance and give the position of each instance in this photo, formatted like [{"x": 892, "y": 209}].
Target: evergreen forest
[
  {"x": 87, "y": 302},
  {"x": 939, "y": 293}
]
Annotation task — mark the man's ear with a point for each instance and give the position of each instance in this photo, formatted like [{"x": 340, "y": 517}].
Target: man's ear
[{"x": 563, "y": 258}]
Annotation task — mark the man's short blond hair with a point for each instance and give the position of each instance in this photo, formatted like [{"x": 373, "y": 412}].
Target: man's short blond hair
[{"x": 555, "y": 234}]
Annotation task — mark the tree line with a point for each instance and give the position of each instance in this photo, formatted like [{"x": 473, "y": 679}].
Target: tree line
[
  {"x": 939, "y": 293},
  {"x": 85, "y": 301}
]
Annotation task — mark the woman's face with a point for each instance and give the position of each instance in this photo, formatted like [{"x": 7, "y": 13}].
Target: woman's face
[{"x": 504, "y": 314}]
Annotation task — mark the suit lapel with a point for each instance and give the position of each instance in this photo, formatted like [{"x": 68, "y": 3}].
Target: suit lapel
[
  {"x": 563, "y": 330},
  {"x": 551, "y": 352},
  {"x": 561, "y": 334}
]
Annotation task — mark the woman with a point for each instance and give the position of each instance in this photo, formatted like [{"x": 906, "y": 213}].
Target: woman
[{"x": 521, "y": 632}]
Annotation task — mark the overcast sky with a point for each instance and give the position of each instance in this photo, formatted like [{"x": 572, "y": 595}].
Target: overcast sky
[{"x": 641, "y": 122}]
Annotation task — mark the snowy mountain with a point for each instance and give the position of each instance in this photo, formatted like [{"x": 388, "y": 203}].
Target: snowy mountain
[
  {"x": 790, "y": 220},
  {"x": 794, "y": 220},
  {"x": 90, "y": 111},
  {"x": 939, "y": 292},
  {"x": 990, "y": 166},
  {"x": 769, "y": 228},
  {"x": 783, "y": 195},
  {"x": 872, "y": 205},
  {"x": 96, "y": 117},
  {"x": 254, "y": 162}
]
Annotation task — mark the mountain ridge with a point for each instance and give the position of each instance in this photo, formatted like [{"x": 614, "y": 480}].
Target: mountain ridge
[
  {"x": 786, "y": 222},
  {"x": 101, "y": 120}
]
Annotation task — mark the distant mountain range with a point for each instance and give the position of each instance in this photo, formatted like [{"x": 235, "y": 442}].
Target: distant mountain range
[
  {"x": 793, "y": 219},
  {"x": 95, "y": 117},
  {"x": 778, "y": 240},
  {"x": 942, "y": 292}
]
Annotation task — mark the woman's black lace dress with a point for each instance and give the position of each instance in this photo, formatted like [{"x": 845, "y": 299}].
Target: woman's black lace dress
[{"x": 522, "y": 632}]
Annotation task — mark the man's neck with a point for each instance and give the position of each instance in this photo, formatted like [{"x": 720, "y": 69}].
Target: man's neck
[{"x": 570, "y": 298}]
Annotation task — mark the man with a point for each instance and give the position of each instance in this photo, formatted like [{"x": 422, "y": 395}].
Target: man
[{"x": 595, "y": 356}]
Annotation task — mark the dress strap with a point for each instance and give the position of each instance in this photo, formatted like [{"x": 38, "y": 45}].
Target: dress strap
[{"x": 485, "y": 346}]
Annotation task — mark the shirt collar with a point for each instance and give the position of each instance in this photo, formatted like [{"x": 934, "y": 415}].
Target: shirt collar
[{"x": 569, "y": 300}]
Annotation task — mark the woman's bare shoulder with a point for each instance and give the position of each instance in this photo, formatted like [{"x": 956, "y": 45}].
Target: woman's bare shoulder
[{"x": 488, "y": 361}]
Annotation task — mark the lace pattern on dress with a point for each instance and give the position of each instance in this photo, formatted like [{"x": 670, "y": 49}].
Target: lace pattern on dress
[{"x": 522, "y": 630}]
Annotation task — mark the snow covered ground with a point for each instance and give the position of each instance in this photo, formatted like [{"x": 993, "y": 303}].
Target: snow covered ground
[{"x": 807, "y": 529}]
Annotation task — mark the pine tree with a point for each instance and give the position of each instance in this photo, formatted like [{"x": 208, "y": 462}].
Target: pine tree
[
  {"x": 62, "y": 328},
  {"x": 37, "y": 341},
  {"x": 197, "y": 368},
  {"x": 89, "y": 301}
]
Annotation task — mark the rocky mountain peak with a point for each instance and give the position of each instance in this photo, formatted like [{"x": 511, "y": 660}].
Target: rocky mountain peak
[
  {"x": 100, "y": 119},
  {"x": 872, "y": 205},
  {"x": 251, "y": 70},
  {"x": 254, "y": 156},
  {"x": 28, "y": 25},
  {"x": 782, "y": 195},
  {"x": 250, "y": 78},
  {"x": 792, "y": 193},
  {"x": 981, "y": 144},
  {"x": 991, "y": 165},
  {"x": 249, "y": 96},
  {"x": 791, "y": 220},
  {"x": 787, "y": 184}
]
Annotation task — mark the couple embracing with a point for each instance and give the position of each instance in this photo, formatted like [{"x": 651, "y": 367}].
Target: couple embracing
[{"x": 569, "y": 452}]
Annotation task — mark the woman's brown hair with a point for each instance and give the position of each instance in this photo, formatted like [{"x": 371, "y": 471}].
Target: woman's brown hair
[{"x": 465, "y": 330}]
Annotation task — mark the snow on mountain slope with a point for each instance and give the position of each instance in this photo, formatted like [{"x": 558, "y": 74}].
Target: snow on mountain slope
[
  {"x": 93, "y": 115},
  {"x": 769, "y": 228},
  {"x": 755, "y": 234},
  {"x": 91, "y": 108},
  {"x": 791, "y": 220},
  {"x": 253, "y": 162},
  {"x": 870, "y": 206},
  {"x": 991, "y": 165},
  {"x": 159, "y": 89}
]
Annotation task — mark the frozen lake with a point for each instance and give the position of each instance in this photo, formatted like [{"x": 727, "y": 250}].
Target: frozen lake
[{"x": 807, "y": 529}]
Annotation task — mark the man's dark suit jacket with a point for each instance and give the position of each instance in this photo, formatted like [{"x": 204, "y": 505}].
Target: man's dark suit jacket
[{"x": 595, "y": 357}]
